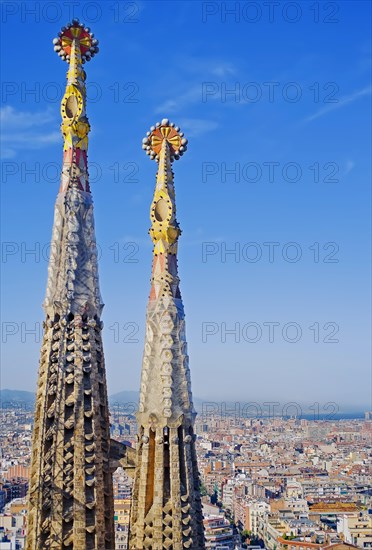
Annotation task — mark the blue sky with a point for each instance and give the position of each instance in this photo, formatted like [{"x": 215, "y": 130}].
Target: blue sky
[{"x": 276, "y": 106}]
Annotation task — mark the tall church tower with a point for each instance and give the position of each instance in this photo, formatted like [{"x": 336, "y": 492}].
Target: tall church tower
[
  {"x": 70, "y": 493},
  {"x": 166, "y": 509}
]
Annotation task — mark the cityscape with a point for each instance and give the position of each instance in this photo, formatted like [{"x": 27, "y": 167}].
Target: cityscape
[
  {"x": 275, "y": 483},
  {"x": 99, "y": 451}
]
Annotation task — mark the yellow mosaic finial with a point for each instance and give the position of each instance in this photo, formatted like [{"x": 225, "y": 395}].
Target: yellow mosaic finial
[
  {"x": 81, "y": 35},
  {"x": 164, "y": 143},
  {"x": 76, "y": 45},
  {"x": 164, "y": 131}
]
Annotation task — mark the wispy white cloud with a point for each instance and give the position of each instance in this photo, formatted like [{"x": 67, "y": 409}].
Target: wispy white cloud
[
  {"x": 193, "y": 127},
  {"x": 171, "y": 106},
  {"x": 7, "y": 153},
  {"x": 197, "y": 126},
  {"x": 22, "y": 120},
  {"x": 23, "y": 130},
  {"x": 197, "y": 71},
  {"x": 223, "y": 70},
  {"x": 341, "y": 103},
  {"x": 349, "y": 165},
  {"x": 207, "y": 66}
]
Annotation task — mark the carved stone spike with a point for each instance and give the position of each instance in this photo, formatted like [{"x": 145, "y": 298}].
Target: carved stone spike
[
  {"x": 163, "y": 517},
  {"x": 61, "y": 510}
]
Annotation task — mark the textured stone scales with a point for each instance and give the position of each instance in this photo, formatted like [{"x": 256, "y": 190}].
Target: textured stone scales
[
  {"x": 70, "y": 494},
  {"x": 166, "y": 509}
]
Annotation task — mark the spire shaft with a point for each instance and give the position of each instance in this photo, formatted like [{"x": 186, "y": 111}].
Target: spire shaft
[
  {"x": 73, "y": 271},
  {"x": 70, "y": 493},
  {"x": 166, "y": 509}
]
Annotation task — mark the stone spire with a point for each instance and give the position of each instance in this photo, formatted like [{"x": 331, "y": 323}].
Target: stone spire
[
  {"x": 166, "y": 508},
  {"x": 70, "y": 494}
]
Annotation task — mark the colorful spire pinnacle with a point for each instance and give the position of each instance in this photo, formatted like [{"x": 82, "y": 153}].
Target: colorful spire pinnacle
[
  {"x": 164, "y": 143},
  {"x": 164, "y": 130},
  {"x": 76, "y": 45},
  {"x": 81, "y": 35}
]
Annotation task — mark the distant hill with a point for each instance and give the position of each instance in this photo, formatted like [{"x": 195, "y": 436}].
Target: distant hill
[
  {"x": 128, "y": 400},
  {"x": 128, "y": 397},
  {"x": 124, "y": 397},
  {"x": 27, "y": 397},
  {"x": 17, "y": 397}
]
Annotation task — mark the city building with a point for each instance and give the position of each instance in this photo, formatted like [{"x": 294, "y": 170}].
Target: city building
[
  {"x": 219, "y": 534},
  {"x": 356, "y": 529}
]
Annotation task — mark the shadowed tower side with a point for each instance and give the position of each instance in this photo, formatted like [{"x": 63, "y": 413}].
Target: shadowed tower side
[
  {"x": 166, "y": 508},
  {"x": 70, "y": 494}
]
